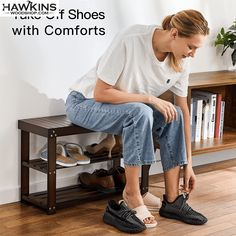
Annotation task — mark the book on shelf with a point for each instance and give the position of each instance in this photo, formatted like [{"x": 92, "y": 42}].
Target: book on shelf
[
  {"x": 208, "y": 98},
  {"x": 218, "y": 114},
  {"x": 221, "y": 128},
  {"x": 191, "y": 119},
  {"x": 205, "y": 119},
  {"x": 196, "y": 119}
]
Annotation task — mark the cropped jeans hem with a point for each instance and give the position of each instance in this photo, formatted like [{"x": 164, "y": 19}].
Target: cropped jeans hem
[
  {"x": 140, "y": 164},
  {"x": 173, "y": 165}
]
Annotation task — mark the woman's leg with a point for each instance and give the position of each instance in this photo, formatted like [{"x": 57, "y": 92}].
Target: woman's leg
[
  {"x": 172, "y": 149},
  {"x": 173, "y": 155},
  {"x": 131, "y": 120},
  {"x": 172, "y": 183},
  {"x": 132, "y": 192}
]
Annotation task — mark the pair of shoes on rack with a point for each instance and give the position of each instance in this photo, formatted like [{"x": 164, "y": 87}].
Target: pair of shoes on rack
[
  {"x": 104, "y": 180},
  {"x": 67, "y": 154},
  {"x": 110, "y": 144},
  {"x": 180, "y": 210},
  {"x": 122, "y": 218}
]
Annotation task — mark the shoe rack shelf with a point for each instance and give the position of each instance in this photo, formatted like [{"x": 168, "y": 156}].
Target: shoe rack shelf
[
  {"x": 54, "y": 198},
  {"x": 42, "y": 166},
  {"x": 65, "y": 197}
]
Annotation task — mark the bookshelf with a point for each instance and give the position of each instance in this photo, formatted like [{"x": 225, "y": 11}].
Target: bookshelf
[{"x": 223, "y": 82}]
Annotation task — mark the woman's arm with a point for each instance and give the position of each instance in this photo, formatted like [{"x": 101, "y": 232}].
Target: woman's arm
[
  {"x": 182, "y": 103},
  {"x": 104, "y": 92},
  {"x": 189, "y": 176}
]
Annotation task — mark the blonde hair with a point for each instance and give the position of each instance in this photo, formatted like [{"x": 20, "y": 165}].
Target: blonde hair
[{"x": 188, "y": 23}]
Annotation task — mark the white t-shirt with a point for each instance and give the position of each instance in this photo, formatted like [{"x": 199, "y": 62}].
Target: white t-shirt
[{"x": 129, "y": 64}]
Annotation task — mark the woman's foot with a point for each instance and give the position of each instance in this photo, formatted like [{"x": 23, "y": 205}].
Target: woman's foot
[{"x": 135, "y": 201}]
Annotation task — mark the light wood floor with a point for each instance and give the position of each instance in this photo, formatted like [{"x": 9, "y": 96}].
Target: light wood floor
[{"x": 215, "y": 197}]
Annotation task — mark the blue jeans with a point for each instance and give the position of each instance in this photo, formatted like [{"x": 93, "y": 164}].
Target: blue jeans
[{"x": 137, "y": 123}]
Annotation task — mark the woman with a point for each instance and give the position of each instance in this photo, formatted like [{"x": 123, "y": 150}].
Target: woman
[{"x": 120, "y": 96}]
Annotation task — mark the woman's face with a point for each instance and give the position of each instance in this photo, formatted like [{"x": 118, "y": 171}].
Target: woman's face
[{"x": 183, "y": 47}]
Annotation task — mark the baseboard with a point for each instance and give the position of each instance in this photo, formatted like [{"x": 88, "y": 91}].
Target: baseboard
[{"x": 9, "y": 195}]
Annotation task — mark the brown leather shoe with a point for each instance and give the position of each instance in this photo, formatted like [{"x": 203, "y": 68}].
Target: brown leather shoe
[
  {"x": 99, "y": 180},
  {"x": 118, "y": 174}
]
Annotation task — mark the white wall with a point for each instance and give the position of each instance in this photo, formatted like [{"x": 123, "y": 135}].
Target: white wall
[{"x": 36, "y": 71}]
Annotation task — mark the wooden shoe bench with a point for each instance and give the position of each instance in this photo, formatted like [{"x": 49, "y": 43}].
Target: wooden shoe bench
[{"x": 54, "y": 198}]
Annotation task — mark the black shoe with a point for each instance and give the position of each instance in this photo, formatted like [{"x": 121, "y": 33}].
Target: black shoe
[
  {"x": 180, "y": 210},
  {"x": 122, "y": 218}
]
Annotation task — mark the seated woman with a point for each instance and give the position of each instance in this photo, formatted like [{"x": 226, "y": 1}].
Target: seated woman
[{"x": 120, "y": 96}]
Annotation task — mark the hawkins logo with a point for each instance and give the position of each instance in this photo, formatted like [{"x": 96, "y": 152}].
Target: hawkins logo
[{"x": 29, "y": 8}]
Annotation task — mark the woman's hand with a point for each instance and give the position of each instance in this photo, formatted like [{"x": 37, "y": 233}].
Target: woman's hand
[
  {"x": 166, "y": 108},
  {"x": 189, "y": 179}
]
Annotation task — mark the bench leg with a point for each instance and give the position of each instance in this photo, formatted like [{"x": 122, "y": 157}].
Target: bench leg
[
  {"x": 24, "y": 158},
  {"x": 145, "y": 179},
  {"x": 51, "y": 176}
]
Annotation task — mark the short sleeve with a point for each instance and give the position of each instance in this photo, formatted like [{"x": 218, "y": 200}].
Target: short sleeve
[
  {"x": 180, "y": 88},
  {"x": 111, "y": 63}
]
